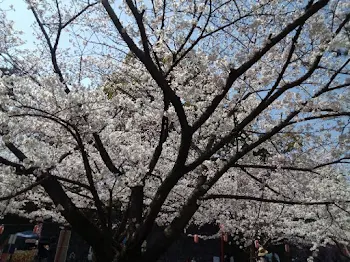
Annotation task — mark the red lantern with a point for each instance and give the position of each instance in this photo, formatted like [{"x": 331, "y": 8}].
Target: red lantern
[
  {"x": 256, "y": 244},
  {"x": 225, "y": 237},
  {"x": 286, "y": 248},
  {"x": 195, "y": 238},
  {"x": 37, "y": 229},
  {"x": 2, "y": 228}
]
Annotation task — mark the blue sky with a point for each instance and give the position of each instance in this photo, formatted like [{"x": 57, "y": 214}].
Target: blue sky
[
  {"x": 22, "y": 17},
  {"x": 24, "y": 21}
]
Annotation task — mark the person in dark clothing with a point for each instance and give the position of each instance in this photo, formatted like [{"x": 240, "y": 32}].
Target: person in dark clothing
[
  {"x": 43, "y": 252},
  {"x": 264, "y": 255},
  {"x": 52, "y": 250}
]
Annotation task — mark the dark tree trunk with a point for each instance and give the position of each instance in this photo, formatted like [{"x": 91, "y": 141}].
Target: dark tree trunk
[
  {"x": 130, "y": 258},
  {"x": 103, "y": 252}
]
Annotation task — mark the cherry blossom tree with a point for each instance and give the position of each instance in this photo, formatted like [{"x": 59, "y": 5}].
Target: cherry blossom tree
[{"x": 173, "y": 113}]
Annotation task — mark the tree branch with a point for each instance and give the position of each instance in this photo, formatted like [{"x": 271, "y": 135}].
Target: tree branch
[
  {"x": 6, "y": 162},
  {"x": 24, "y": 190},
  {"x": 138, "y": 17},
  {"x": 122, "y": 31},
  {"x": 339, "y": 114},
  {"x": 94, "y": 236},
  {"x": 17, "y": 152},
  {"x": 263, "y": 183},
  {"x": 75, "y": 133},
  {"x": 78, "y": 14},
  {"x": 270, "y": 200},
  {"x": 88, "y": 172},
  {"x": 105, "y": 156},
  {"x": 71, "y": 213},
  {"x": 157, "y": 75},
  {"x": 273, "y": 167},
  {"x": 338, "y": 161},
  {"x": 73, "y": 182},
  {"x": 253, "y": 114},
  {"x": 52, "y": 48},
  {"x": 158, "y": 151},
  {"x": 235, "y": 73}
]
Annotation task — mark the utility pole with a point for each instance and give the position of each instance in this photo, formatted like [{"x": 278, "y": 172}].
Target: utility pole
[{"x": 63, "y": 245}]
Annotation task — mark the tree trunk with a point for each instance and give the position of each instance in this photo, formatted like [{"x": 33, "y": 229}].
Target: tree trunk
[
  {"x": 103, "y": 252},
  {"x": 131, "y": 259}
]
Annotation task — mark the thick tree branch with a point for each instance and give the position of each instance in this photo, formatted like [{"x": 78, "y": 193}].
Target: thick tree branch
[
  {"x": 158, "y": 151},
  {"x": 105, "y": 156},
  {"x": 77, "y": 220},
  {"x": 138, "y": 17},
  {"x": 17, "y": 152},
  {"x": 122, "y": 31},
  {"x": 136, "y": 206},
  {"x": 7, "y": 162},
  {"x": 88, "y": 172},
  {"x": 164, "y": 189}
]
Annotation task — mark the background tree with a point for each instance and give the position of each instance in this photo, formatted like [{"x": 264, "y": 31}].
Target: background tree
[{"x": 178, "y": 112}]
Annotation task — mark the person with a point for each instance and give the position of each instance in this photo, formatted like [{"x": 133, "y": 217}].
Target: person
[
  {"x": 261, "y": 254},
  {"x": 72, "y": 257},
  {"x": 43, "y": 252},
  {"x": 265, "y": 256},
  {"x": 52, "y": 250},
  {"x": 90, "y": 254}
]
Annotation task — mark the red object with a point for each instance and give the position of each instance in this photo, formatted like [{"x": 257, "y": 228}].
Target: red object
[
  {"x": 37, "y": 229},
  {"x": 2, "y": 228},
  {"x": 256, "y": 244},
  {"x": 225, "y": 237},
  {"x": 286, "y": 248},
  {"x": 195, "y": 238}
]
